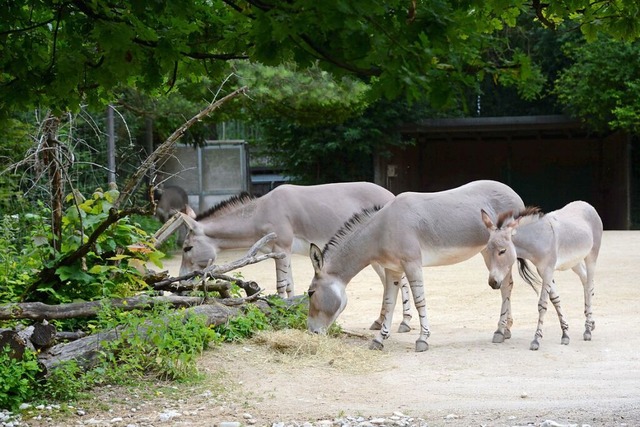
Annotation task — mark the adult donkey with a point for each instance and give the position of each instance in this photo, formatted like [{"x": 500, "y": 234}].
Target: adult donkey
[
  {"x": 412, "y": 231},
  {"x": 567, "y": 238},
  {"x": 297, "y": 214}
]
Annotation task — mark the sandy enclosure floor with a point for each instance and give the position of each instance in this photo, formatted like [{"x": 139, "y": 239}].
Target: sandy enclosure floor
[
  {"x": 462, "y": 380},
  {"x": 463, "y": 372}
]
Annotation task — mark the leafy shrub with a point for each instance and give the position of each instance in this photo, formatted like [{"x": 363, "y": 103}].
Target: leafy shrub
[
  {"x": 161, "y": 341},
  {"x": 242, "y": 327},
  {"x": 18, "y": 378}
]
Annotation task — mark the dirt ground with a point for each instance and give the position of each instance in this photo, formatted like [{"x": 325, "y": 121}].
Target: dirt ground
[{"x": 463, "y": 379}]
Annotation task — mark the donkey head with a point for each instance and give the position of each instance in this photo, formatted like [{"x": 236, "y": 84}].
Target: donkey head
[
  {"x": 500, "y": 254},
  {"x": 197, "y": 250},
  {"x": 327, "y": 296}
]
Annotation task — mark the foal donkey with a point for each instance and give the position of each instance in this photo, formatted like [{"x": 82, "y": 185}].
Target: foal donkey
[
  {"x": 412, "y": 231},
  {"x": 567, "y": 238},
  {"x": 297, "y": 214}
]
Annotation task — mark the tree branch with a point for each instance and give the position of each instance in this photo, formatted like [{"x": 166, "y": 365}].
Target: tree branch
[{"x": 165, "y": 149}]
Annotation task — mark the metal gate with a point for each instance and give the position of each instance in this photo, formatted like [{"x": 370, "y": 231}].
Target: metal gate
[{"x": 211, "y": 173}]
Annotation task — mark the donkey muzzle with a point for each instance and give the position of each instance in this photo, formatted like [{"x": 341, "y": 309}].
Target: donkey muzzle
[{"x": 494, "y": 283}]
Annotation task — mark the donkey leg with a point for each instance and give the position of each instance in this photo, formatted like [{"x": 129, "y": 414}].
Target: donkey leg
[
  {"x": 284, "y": 278},
  {"x": 542, "y": 309},
  {"x": 406, "y": 305},
  {"x": 555, "y": 300},
  {"x": 506, "y": 320},
  {"x": 392, "y": 282},
  {"x": 414, "y": 276},
  {"x": 589, "y": 286}
]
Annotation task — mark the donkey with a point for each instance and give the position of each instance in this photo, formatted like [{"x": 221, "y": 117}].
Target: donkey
[
  {"x": 412, "y": 231},
  {"x": 298, "y": 215},
  {"x": 172, "y": 199},
  {"x": 567, "y": 238}
]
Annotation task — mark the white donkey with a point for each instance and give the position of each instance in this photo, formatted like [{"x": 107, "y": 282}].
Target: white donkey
[
  {"x": 567, "y": 238},
  {"x": 412, "y": 231},
  {"x": 298, "y": 215}
]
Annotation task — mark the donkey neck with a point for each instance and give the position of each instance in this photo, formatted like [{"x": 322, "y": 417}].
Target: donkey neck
[
  {"x": 347, "y": 255},
  {"x": 235, "y": 229},
  {"x": 532, "y": 240}
]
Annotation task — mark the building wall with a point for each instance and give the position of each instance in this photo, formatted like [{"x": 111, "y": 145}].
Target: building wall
[{"x": 547, "y": 168}]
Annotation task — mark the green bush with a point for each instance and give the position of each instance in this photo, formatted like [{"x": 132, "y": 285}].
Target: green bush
[
  {"x": 18, "y": 378},
  {"x": 162, "y": 341}
]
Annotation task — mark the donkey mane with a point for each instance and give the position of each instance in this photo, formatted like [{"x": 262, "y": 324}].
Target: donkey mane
[
  {"x": 528, "y": 215},
  {"x": 350, "y": 225},
  {"x": 226, "y": 205}
]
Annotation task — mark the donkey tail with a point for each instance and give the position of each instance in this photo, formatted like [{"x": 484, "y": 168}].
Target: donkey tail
[{"x": 528, "y": 274}]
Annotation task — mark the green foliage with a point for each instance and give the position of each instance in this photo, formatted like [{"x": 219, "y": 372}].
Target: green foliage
[
  {"x": 18, "y": 378},
  {"x": 242, "y": 327},
  {"x": 281, "y": 315},
  {"x": 334, "y": 152},
  {"x": 108, "y": 270},
  {"x": 61, "y": 54},
  {"x": 23, "y": 254},
  {"x": 171, "y": 343},
  {"x": 301, "y": 96},
  {"x": 602, "y": 86},
  {"x": 65, "y": 382}
]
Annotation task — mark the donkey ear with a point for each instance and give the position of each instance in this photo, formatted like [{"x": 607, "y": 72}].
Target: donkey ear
[
  {"x": 316, "y": 258},
  {"x": 487, "y": 220}
]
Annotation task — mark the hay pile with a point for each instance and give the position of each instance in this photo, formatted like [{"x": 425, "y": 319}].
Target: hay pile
[{"x": 302, "y": 348}]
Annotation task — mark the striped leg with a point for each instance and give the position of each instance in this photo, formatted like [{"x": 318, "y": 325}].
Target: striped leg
[
  {"x": 391, "y": 285},
  {"x": 585, "y": 271},
  {"x": 406, "y": 305},
  {"x": 542, "y": 309},
  {"x": 284, "y": 278},
  {"x": 555, "y": 300},
  {"x": 414, "y": 276},
  {"x": 506, "y": 320}
]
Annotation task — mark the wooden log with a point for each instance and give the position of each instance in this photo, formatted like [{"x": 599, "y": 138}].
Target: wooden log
[
  {"x": 86, "y": 351},
  {"x": 41, "y": 311},
  {"x": 44, "y": 335},
  {"x": 15, "y": 343},
  {"x": 69, "y": 335}
]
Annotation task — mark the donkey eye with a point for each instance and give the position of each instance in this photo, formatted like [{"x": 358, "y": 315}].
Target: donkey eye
[
  {"x": 187, "y": 248},
  {"x": 502, "y": 251},
  {"x": 311, "y": 292}
]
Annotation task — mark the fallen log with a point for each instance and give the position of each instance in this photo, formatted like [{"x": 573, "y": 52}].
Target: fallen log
[
  {"x": 86, "y": 351},
  {"x": 41, "y": 311}
]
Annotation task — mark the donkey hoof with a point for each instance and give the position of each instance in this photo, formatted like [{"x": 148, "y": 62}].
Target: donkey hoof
[
  {"x": 376, "y": 326},
  {"x": 507, "y": 334},
  {"x": 587, "y": 335},
  {"x": 421, "y": 346},
  {"x": 565, "y": 340},
  {"x": 376, "y": 345},
  {"x": 498, "y": 337},
  {"x": 534, "y": 345},
  {"x": 403, "y": 327}
]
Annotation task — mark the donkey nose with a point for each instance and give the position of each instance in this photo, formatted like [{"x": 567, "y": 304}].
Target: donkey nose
[{"x": 494, "y": 283}]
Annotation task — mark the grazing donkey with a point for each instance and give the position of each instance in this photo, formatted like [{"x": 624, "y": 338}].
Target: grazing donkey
[
  {"x": 567, "y": 238},
  {"x": 412, "y": 231},
  {"x": 297, "y": 214}
]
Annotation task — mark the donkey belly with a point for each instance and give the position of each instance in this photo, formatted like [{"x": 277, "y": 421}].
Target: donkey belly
[{"x": 448, "y": 255}]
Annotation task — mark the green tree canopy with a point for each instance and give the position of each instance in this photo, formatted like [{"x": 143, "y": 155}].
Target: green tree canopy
[{"x": 59, "y": 54}]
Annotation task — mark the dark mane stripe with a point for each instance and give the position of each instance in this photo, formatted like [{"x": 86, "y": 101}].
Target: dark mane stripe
[
  {"x": 225, "y": 205},
  {"x": 350, "y": 225},
  {"x": 528, "y": 211}
]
